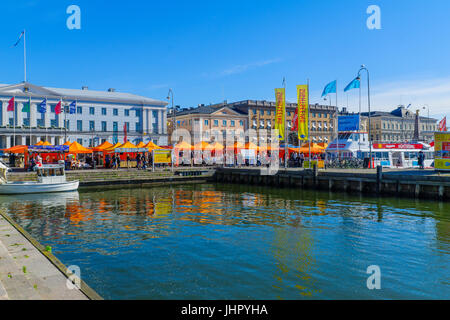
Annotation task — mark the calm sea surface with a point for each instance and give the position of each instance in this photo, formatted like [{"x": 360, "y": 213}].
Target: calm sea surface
[{"x": 241, "y": 242}]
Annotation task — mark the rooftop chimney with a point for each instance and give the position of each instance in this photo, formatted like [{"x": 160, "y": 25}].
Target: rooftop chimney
[
  {"x": 84, "y": 88},
  {"x": 111, "y": 90}
]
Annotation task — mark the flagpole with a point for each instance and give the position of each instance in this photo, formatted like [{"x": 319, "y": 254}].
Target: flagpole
[
  {"x": 285, "y": 127},
  {"x": 29, "y": 117},
  {"x": 25, "y": 55},
  {"x": 359, "y": 140},
  {"x": 337, "y": 117},
  {"x": 14, "y": 122},
  {"x": 309, "y": 128}
]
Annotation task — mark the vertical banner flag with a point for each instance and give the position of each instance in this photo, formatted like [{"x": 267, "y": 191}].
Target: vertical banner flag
[
  {"x": 303, "y": 110},
  {"x": 11, "y": 104},
  {"x": 43, "y": 106},
  {"x": 73, "y": 107},
  {"x": 443, "y": 124},
  {"x": 58, "y": 107},
  {"x": 125, "y": 133},
  {"x": 27, "y": 106},
  {"x": 280, "y": 104},
  {"x": 329, "y": 88},
  {"x": 295, "y": 121}
]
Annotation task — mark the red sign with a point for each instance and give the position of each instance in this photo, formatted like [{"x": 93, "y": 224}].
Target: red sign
[
  {"x": 397, "y": 146},
  {"x": 445, "y": 146}
]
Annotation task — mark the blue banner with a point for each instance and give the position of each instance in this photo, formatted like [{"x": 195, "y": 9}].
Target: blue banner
[
  {"x": 42, "y": 108},
  {"x": 348, "y": 123}
]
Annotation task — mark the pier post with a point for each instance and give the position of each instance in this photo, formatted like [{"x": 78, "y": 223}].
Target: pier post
[
  {"x": 417, "y": 190},
  {"x": 379, "y": 178},
  {"x": 441, "y": 192},
  {"x": 315, "y": 175}
]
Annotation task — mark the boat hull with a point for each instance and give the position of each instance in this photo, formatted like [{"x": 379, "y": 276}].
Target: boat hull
[{"x": 34, "y": 187}]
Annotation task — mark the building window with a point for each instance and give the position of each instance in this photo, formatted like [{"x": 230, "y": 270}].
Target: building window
[
  {"x": 103, "y": 111},
  {"x": 91, "y": 125},
  {"x": 52, "y": 108},
  {"x": 241, "y": 123},
  {"x": 206, "y": 122},
  {"x": 224, "y": 123},
  {"x": 138, "y": 113},
  {"x": 79, "y": 125},
  {"x": 80, "y": 141},
  {"x": 91, "y": 110},
  {"x": 115, "y": 112},
  {"x": 127, "y": 112},
  {"x": 53, "y": 123},
  {"x": 138, "y": 126},
  {"x": 104, "y": 127},
  {"x": 79, "y": 110},
  {"x": 115, "y": 126},
  {"x": 216, "y": 123},
  {"x": 232, "y": 123}
]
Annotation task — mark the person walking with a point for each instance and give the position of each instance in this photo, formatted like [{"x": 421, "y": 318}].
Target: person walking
[{"x": 421, "y": 159}]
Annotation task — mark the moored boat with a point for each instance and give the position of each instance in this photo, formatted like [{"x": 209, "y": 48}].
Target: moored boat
[{"x": 50, "y": 178}]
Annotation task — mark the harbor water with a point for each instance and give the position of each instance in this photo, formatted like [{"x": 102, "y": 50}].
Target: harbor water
[{"x": 218, "y": 241}]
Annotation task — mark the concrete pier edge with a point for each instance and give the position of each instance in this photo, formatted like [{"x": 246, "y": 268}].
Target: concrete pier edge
[{"x": 84, "y": 288}]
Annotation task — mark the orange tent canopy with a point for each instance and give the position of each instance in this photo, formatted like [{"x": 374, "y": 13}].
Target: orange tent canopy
[
  {"x": 112, "y": 148},
  {"x": 315, "y": 148},
  {"x": 103, "y": 146},
  {"x": 42, "y": 143},
  {"x": 251, "y": 145},
  {"x": 201, "y": 145},
  {"x": 140, "y": 145},
  {"x": 236, "y": 145},
  {"x": 78, "y": 148},
  {"x": 214, "y": 146},
  {"x": 128, "y": 145},
  {"x": 67, "y": 143},
  {"x": 183, "y": 145},
  {"x": 16, "y": 149},
  {"x": 152, "y": 146}
]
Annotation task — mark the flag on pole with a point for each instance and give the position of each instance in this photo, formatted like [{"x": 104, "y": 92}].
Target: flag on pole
[
  {"x": 58, "y": 107},
  {"x": 443, "y": 124},
  {"x": 303, "y": 112},
  {"x": 43, "y": 106},
  {"x": 125, "y": 133},
  {"x": 295, "y": 121},
  {"x": 355, "y": 84},
  {"x": 280, "y": 111},
  {"x": 20, "y": 37},
  {"x": 329, "y": 88},
  {"x": 26, "y": 106},
  {"x": 73, "y": 107},
  {"x": 11, "y": 104}
]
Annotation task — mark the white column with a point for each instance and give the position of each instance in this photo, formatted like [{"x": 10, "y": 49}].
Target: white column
[
  {"x": 61, "y": 120},
  {"x": 144, "y": 120},
  {"x": 160, "y": 121},
  {"x": 8, "y": 142},
  {"x": 4, "y": 106},
  {"x": 19, "y": 114},
  {"x": 21, "y": 141},
  {"x": 47, "y": 116},
  {"x": 164, "y": 123},
  {"x": 33, "y": 118}
]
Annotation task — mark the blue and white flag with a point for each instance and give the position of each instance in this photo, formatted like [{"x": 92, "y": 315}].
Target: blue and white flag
[
  {"x": 21, "y": 35},
  {"x": 73, "y": 107},
  {"x": 355, "y": 84},
  {"x": 330, "y": 88},
  {"x": 42, "y": 108}
]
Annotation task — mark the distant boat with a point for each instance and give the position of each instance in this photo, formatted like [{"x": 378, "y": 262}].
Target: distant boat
[{"x": 50, "y": 178}]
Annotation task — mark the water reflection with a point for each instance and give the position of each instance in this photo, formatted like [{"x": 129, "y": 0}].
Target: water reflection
[{"x": 251, "y": 242}]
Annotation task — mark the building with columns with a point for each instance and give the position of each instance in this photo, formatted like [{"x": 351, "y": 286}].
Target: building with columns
[{"x": 100, "y": 116}]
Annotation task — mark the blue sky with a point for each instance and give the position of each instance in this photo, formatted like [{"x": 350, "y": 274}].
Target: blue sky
[{"x": 209, "y": 51}]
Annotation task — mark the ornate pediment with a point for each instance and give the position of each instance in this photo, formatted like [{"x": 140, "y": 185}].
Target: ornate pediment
[{"x": 25, "y": 89}]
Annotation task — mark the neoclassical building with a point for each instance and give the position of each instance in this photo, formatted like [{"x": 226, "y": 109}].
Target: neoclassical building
[{"x": 99, "y": 116}]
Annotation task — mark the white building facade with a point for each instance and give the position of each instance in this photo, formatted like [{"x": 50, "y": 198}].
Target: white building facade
[{"x": 100, "y": 116}]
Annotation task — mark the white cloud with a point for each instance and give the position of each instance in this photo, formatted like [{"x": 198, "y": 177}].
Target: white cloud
[{"x": 240, "y": 68}]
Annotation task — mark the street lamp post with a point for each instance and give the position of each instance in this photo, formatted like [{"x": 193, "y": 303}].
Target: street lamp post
[
  {"x": 170, "y": 96},
  {"x": 426, "y": 106},
  {"x": 363, "y": 67}
]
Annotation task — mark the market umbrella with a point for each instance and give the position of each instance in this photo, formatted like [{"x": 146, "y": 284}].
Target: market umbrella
[
  {"x": 16, "y": 149},
  {"x": 67, "y": 143},
  {"x": 77, "y": 148},
  {"x": 103, "y": 146},
  {"x": 214, "y": 146}
]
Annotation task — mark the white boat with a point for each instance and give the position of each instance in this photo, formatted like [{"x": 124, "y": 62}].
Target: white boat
[
  {"x": 50, "y": 178},
  {"x": 388, "y": 155}
]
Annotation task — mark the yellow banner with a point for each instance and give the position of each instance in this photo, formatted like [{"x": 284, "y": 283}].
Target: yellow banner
[
  {"x": 441, "y": 136},
  {"x": 442, "y": 164},
  {"x": 280, "y": 100},
  {"x": 162, "y": 156},
  {"x": 303, "y": 106}
]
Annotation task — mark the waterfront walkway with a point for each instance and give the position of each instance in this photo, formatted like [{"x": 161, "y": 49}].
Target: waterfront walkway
[{"x": 26, "y": 273}]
